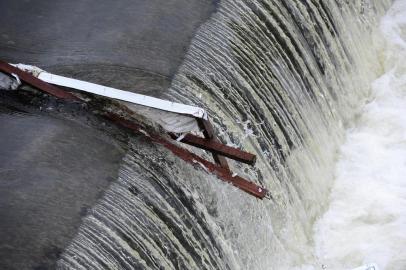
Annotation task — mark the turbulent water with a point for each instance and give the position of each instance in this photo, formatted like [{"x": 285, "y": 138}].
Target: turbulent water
[
  {"x": 366, "y": 221},
  {"x": 282, "y": 79}
]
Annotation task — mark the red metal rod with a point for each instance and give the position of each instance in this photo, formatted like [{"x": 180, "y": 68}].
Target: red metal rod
[
  {"x": 35, "y": 82},
  {"x": 208, "y": 133},
  {"x": 217, "y": 148},
  {"x": 224, "y": 174}
]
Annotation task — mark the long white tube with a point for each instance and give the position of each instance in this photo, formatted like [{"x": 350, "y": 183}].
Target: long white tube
[{"x": 110, "y": 92}]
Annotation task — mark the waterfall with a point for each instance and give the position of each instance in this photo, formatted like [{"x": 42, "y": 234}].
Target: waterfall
[
  {"x": 368, "y": 196},
  {"x": 279, "y": 78}
]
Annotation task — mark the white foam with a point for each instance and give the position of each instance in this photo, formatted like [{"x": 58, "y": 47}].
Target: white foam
[{"x": 366, "y": 220}]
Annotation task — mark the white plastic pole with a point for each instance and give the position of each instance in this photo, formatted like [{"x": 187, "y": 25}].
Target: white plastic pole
[{"x": 110, "y": 92}]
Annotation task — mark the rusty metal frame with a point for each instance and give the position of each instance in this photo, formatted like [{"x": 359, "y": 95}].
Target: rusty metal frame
[
  {"x": 222, "y": 173},
  {"x": 208, "y": 133},
  {"x": 35, "y": 82},
  {"x": 211, "y": 143},
  {"x": 216, "y": 148}
]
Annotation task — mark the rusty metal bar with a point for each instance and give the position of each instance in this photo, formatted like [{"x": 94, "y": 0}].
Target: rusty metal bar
[
  {"x": 35, "y": 82},
  {"x": 208, "y": 133},
  {"x": 223, "y": 173},
  {"x": 217, "y": 148}
]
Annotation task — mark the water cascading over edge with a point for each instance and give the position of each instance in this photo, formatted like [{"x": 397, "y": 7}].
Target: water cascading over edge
[{"x": 279, "y": 79}]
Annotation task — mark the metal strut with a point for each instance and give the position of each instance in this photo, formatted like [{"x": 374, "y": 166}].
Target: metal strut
[
  {"x": 223, "y": 173},
  {"x": 216, "y": 148},
  {"x": 208, "y": 132},
  {"x": 35, "y": 82}
]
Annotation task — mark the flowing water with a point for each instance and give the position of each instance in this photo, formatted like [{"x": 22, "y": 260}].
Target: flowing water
[
  {"x": 366, "y": 220},
  {"x": 282, "y": 79}
]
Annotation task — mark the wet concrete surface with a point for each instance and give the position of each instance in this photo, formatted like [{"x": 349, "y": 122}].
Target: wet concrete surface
[
  {"x": 52, "y": 170},
  {"x": 132, "y": 44}
]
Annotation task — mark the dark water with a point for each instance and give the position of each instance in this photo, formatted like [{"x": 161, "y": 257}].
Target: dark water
[
  {"x": 52, "y": 171},
  {"x": 280, "y": 79},
  {"x": 131, "y": 44}
]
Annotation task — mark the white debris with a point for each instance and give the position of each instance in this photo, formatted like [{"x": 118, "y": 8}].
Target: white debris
[
  {"x": 173, "y": 117},
  {"x": 181, "y": 137},
  {"x": 8, "y": 83}
]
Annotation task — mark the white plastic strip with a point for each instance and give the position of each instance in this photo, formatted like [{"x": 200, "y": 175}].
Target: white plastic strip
[{"x": 105, "y": 91}]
